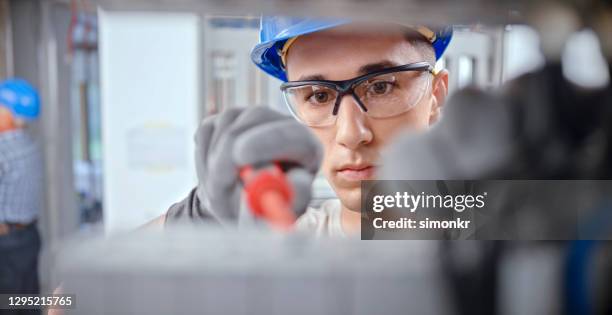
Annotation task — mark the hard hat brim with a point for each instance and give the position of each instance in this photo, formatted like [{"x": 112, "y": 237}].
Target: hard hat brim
[{"x": 266, "y": 54}]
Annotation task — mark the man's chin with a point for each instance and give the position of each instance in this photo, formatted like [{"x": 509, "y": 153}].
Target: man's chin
[{"x": 350, "y": 198}]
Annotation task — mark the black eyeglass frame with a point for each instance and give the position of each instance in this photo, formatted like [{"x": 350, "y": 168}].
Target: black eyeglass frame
[{"x": 347, "y": 86}]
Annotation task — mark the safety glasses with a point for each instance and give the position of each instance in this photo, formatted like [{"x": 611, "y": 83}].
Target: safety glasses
[{"x": 379, "y": 94}]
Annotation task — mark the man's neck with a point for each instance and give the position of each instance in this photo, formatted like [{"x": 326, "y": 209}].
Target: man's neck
[{"x": 351, "y": 220}]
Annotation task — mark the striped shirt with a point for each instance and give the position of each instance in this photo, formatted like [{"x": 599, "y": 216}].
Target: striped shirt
[{"x": 20, "y": 177}]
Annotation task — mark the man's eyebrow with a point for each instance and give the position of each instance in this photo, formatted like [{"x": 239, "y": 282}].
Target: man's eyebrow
[
  {"x": 317, "y": 77},
  {"x": 371, "y": 67}
]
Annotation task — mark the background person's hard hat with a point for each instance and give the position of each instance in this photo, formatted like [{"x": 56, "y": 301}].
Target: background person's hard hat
[
  {"x": 21, "y": 98},
  {"x": 276, "y": 31}
]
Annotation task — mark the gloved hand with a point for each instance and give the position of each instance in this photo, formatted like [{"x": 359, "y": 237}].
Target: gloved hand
[
  {"x": 240, "y": 137},
  {"x": 474, "y": 139}
]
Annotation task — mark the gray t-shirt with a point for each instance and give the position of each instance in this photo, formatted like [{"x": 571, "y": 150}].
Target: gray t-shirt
[{"x": 323, "y": 221}]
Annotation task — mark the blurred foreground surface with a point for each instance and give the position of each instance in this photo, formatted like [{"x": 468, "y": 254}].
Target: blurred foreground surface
[{"x": 214, "y": 271}]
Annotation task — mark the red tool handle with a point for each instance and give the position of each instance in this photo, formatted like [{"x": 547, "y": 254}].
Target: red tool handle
[{"x": 269, "y": 195}]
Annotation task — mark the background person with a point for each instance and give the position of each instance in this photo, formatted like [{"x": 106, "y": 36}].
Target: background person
[{"x": 20, "y": 191}]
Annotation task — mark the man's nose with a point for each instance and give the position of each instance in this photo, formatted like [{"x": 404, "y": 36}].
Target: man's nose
[{"x": 352, "y": 128}]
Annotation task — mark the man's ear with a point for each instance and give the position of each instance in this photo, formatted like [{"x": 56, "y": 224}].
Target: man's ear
[{"x": 438, "y": 93}]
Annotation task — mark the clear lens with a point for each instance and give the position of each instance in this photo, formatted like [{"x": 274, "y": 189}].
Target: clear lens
[
  {"x": 312, "y": 104},
  {"x": 392, "y": 94},
  {"x": 384, "y": 96}
]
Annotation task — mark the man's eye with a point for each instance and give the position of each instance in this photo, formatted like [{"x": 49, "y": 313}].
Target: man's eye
[
  {"x": 320, "y": 97},
  {"x": 380, "y": 88}
]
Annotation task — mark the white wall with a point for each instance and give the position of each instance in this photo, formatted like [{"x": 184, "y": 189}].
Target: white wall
[
  {"x": 522, "y": 51},
  {"x": 149, "y": 91}
]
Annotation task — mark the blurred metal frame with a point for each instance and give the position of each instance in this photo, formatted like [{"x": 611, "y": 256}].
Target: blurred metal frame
[
  {"x": 428, "y": 12},
  {"x": 6, "y": 40},
  {"x": 56, "y": 126},
  {"x": 60, "y": 217}
]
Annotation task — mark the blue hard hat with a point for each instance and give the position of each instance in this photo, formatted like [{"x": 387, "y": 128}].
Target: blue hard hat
[
  {"x": 21, "y": 98},
  {"x": 275, "y": 31}
]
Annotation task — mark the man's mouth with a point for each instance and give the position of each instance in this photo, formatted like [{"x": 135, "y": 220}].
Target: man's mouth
[{"x": 357, "y": 172}]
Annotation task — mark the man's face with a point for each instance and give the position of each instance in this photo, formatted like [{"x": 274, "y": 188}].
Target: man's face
[
  {"x": 352, "y": 145},
  {"x": 6, "y": 119}
]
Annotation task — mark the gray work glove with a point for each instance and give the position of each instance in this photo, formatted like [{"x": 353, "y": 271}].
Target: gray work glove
[
  {"x": 239, "y": 137},
  {"x": 473, "y": 140}
]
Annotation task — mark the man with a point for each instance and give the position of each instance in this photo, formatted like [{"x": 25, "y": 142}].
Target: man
[
  {"x": 20, "y": 189},
  {"x": 354, "y": 85}
]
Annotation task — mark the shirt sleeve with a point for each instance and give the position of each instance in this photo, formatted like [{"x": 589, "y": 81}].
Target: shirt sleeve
[{"x": 188, "y": 210}]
